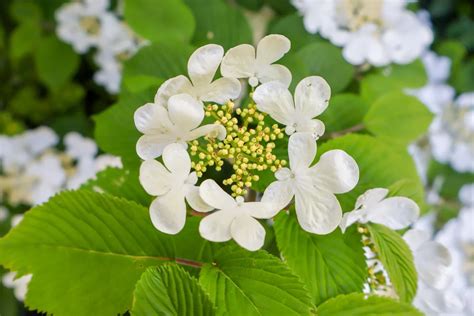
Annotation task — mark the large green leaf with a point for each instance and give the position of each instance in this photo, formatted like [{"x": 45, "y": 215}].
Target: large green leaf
[
  {"x": 219, "y": 23},
  {"x": 170, "y": 290},
  {"x": 398, "y": 118},
  {"x": 380, "y": 164},
  {"x": 24, "y": 39},
  {"x": 397, "y": 260},
  {"x": 361, "y": 305},
  {"x": 56, "y": 62},
  {"x": 87, "y": 249},
  {"x": 344, "y": 111},
  {"x": 328, "y": 264},
  {"x": 245, "y": 283},
  {"x": 160, "y": 21}
]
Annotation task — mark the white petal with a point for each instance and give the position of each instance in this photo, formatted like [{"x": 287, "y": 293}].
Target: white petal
[
  {"x": 222, "y": 90},
  {"x": 317, "y": 212},
  {"x": 177, "y": 160},
  {"x": 215, "y": 196},
  {"x": 260, "y": 209},
  {"x": 185, "y": 112},
  {"x": 203, "y": 63},
  {"x": 275, "y": 99},
  {"x": 239, "y": 62},
  {"x": 301, "y": 151},
  {"x": 395, "y": 212},
  {"x": 216, "y": 226},
  {"x": 276, "y": 72},
  {"x": 432, "y": 262},
  {"x": 154, "y": 178},
  {"x": 336, "y": 171},
  {"x": 315, "y": 127},
  {"x": 151, "y": 118},
  {"x": 152, "y": 146},
  {"x": 278, "y": 194},
  {"x": 196, "y": 202},
  {"x": 312, "y": 96},
  {"x": 171, "y": 87},
  {"x": 415, "y": 238},
  {"x": 371, "y": 197},
  {"x": 212, "y": 130},
  {"x": 168, "y": 212},
  {"x": 350, "y": 218},
  {"x": 272, "y": 48},
  {"x": 248, "y": 232}
]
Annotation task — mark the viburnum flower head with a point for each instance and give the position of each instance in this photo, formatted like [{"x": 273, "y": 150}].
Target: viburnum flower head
[
  {"x": 373, "y": 206},
  {"x": 178, "y": 122},
  {"x": 202, "y": 67},
  {"x": 172, "y": 184},
  {"x": 311, "y": 99},
  {"x": 313, "y": 187},
  {"x": 377, "y": 32},
  {"x": 234, "y": 218},
  {"x": 242, "y": 61}
]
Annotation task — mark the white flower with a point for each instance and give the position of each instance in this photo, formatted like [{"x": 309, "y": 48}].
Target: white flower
[
  {"x": 235, "y": 219},
  {"x": 172, "y": 184},
  {"x": 311, "y": 99},
  {"x": 177, "y": 123},
  {"x": 85, "y": 23},
  {"x": 466, "y": 194},
  {"x": 242, "y": 61},
  {"x": 373, "y": 206},
  {"x": 4, "y": 213},
  {"x": 16, "y": 219},
  {"x": 377, "y": 32},
  {"x": 19, "y": 286},
  {"x": 313, "y": 187},
  {"x": 79, "y": 147},
  {"x": 451, "y": 134},
  {"x": 202, "y": 67}
]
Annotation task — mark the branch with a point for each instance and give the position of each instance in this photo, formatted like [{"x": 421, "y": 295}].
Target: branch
[{"x": 343, "y": 132}]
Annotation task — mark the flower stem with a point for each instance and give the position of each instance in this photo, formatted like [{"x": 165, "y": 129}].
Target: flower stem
[{"x": 343, "y": 132}]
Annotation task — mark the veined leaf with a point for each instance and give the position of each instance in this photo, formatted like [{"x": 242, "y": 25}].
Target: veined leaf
[
  {"x": 87, "y": 249},
  {"x": 345, "y": 110},
  {"x": 328, "y": 264},
  {"x": 397, "y": 259},
  {"x": 253, "y": 283},
  {"x": 361, "y": 305},
  {"x": 169, "y": 290}
]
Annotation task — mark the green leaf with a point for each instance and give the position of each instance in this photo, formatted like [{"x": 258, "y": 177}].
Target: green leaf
[
  {"x": 170, "y": 290},
  {"x": 253, "y": 5},
  {"x": 455, "y": 50},
  {"x": 381, "y": 168},
  {"x": 219, "y": 23},
  {"x": 361, "y": 305},
  {"x": 463, "y": 80},
  {"x": 398, "y": 118},
  {"x": 245, "y": 283},
  {"x": 397, "y": 260},
  {"x": 24, "y": 40},
  {"x": 25, "y": 11},
  {"x": 344, "y": 111},
  {"x": 321, "y": 59},
  {"x": 56, "y": 62},
  {"x": 328, "y": 264},
  {"x": 88, "y": 249},
  {"x": 292, "y": 27},
  {"x": 119, "y": 182},
  {"x": 160, "y": 21}
]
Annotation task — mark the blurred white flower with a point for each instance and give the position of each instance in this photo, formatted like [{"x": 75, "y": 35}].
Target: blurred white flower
[
  {"x": 373, "y": 206},
  {"x": 79, "y": 147},
  {"x": 4, "y": 213},
  {"x": 242, "y": 61},
  {"x": 234, "y": 218},
  {"x": 172, "y": 183},
  {"x": 313, "y": 187},
  {"x": 178, "y": 122},
  {"x": 202, "y": 67},
  {"x": 311, "y": 99},
  {"x": 85, "y": 23},
  {"x": 19, "y": 286},
  {"x": 377, "y": 32}
]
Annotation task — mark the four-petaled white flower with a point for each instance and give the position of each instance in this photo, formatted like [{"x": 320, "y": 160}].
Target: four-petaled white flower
[
  {"x": 242, "y": 61},
  {"x": 311, "y": 99},
  {"x": 395, "y": 212},
  {"x": 202, "y": 67},
  {"x": 313, "y": 187},
  {"x": 172, "y": 183},
  {"x": 177, "y": 123},
  {"x": 234, "y": 218}
]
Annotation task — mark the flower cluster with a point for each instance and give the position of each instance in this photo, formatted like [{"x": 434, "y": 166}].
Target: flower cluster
[
  {"x": 89, "y": 24},
  {"x": 32, "y": 169},
  {"x": 196, "y": 119},
  {"x": 377, "y": 32}
]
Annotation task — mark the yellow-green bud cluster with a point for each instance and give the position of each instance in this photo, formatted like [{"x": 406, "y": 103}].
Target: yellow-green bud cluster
[{"x": 248, "y": 146}]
